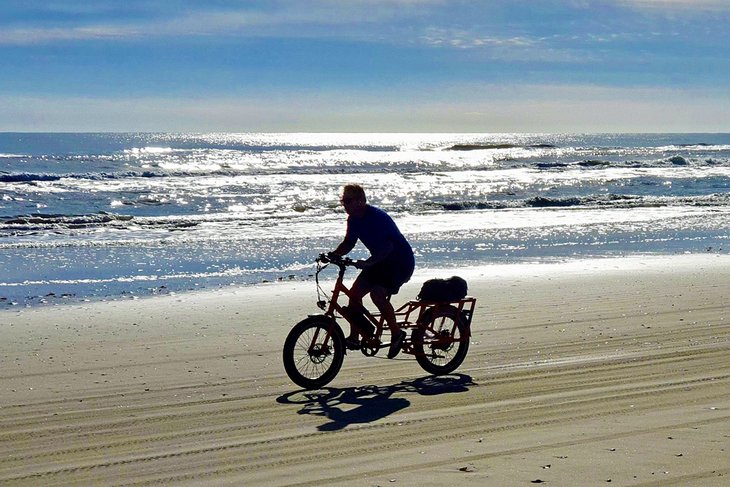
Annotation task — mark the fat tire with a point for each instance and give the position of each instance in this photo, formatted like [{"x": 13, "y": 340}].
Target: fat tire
[
  {"x": 300, "y": 365},
  {"x": 425, "y": 352}
]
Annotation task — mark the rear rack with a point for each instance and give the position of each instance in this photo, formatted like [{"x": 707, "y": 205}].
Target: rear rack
[{"x": 411, "y": 312}]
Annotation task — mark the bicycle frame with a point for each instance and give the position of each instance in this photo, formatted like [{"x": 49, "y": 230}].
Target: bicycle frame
[{"x": 334, "y": 308}]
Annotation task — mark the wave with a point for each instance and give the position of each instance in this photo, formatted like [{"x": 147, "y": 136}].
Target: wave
[
  {"x": 28, "y": 224},
  {"x": 27, "y": 178},
  {"x": 136, "y": 151},
  {"x": 590, "y": 163},
  {"x": 536, "y": 202},
  {"x": 678, "y": 161},
  {"x": 471, "y": 147},
  {"x": 543, "y": 202},
  {"x": 42, "y": 177},
  {"x": 51, "y": 221},
  {"x": 335, "y": 167},
  {"x": 603, "y": 201},
  {"x": 698, "y": 146},
  {"x": 664, "y": 162},
  {"x": 161, "y": 162},
  {"x": 38, "y": 221},
  {"x": 594, "y": 163}
]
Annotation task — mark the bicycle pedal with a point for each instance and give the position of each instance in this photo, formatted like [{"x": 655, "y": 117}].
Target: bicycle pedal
[{"x": 370, "y": 342}]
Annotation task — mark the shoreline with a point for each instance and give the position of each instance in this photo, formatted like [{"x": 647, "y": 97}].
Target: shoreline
[
  {"x": 577, "y": 374},
  {"x": 579, "y": 264}
]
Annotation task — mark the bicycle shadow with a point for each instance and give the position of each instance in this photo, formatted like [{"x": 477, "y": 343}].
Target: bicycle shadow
[{"x": 366, "y": 404}]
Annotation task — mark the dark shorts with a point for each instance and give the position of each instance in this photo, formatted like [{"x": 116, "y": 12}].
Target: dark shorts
[{"x": 390, "y": 274}]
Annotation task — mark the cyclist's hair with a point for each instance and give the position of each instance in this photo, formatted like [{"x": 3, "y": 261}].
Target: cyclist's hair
[{"x": 355, "y": 190}]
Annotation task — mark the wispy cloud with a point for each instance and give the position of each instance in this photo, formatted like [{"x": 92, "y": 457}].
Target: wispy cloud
[
  {"x": 566, "y": 48},
  {"x": 462, "y": 39},
  {"x": 40, "y": 35},
  {"x": 521, "y": 48},
  {"x": 425, "y": 22},
  {"x": 697, "y": 6},
  {"x": 287, "y": 18}
]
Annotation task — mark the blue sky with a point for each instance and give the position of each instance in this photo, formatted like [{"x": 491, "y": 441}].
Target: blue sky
[{"x": 365, "y": 65}]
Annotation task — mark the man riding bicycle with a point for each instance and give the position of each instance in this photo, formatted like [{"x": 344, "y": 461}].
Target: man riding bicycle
[{"x": 389, "y": 266}]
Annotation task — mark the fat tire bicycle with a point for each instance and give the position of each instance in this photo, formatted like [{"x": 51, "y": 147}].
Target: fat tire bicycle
[{"x": 314, "y": 349}]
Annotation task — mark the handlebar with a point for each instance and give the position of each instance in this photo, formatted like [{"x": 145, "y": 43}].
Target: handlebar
[
  {"x": 322, "y": 261},
  {"x": 330, "y": 258}
]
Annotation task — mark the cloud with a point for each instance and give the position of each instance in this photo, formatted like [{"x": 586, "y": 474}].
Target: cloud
[
  {"x": 521, "y": 48},
  {"x": 24, "y": 36},
  {"x": 697, "y": 6},
  {"x": 287, "y": 18},
  {"x": 463, "y": 39},
  {"x": 434, "y": 23},
  {"x": 575, "y": 47}
]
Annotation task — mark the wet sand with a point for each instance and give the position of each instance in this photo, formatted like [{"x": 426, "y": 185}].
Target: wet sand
[{"x": 611, "y": 372}]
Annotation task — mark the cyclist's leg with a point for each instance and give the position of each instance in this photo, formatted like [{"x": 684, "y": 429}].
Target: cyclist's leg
[
  {"x": 360, "y": 288},
  {"x": 381, "y": 299},
  {"x": 379, "y": 295},
  {"x": 380, "y": 281}
]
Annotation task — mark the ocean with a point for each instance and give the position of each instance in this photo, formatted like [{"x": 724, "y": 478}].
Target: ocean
[{"x": 127, "y": 215}]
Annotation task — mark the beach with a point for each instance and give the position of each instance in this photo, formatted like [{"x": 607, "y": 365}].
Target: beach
[{"x": 594, "y": 372}]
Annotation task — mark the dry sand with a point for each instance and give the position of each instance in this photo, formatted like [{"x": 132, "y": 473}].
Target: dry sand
[{"x": 611, "y": 372}]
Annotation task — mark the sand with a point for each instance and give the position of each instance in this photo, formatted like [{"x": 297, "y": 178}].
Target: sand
[{"x": 608, "y": 372}]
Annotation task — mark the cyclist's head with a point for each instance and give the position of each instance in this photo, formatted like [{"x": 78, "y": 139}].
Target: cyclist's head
[
  {"x": 354, "y": 191},
  {"x": 353, "y": 198}
]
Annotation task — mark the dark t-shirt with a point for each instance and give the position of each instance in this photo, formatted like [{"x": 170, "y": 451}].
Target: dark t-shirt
[{"x": 376, "y": 229}]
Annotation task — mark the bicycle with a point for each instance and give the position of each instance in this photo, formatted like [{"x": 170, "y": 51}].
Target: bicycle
[{"x": 314, "y": 349}]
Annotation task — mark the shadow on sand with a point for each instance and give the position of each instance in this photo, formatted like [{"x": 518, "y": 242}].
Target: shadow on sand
[{"x": 362, "y": 405}]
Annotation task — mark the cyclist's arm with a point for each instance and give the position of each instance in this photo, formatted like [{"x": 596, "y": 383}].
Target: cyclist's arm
[
  {"x": 344, "y": 248},
  {"x": 348, "y": 243}
]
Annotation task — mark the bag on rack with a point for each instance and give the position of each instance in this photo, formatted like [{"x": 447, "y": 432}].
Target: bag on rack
[{"x": 451, "y": 289}]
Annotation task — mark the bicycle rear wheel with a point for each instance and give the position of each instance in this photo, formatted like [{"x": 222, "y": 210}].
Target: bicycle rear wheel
[
  {"x": 441, "y": 340},
  {"x": 313, "y": 352}
]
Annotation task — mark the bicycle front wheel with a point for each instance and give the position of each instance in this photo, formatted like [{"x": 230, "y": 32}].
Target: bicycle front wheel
[
  {"x": 313, "y": 352},
  {"x": 441, "y": 340}
]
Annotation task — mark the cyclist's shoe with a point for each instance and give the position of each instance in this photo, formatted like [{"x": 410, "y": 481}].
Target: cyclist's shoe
[
  {"x": 396, "y": 343},
  {"x": 352, "y": 343}
]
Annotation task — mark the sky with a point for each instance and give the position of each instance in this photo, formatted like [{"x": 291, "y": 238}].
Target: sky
[{"x": 365, "y": 65}]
